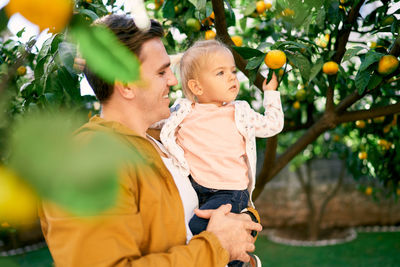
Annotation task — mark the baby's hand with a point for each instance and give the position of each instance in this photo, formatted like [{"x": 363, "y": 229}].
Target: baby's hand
[{"x": 272, "y": 85}]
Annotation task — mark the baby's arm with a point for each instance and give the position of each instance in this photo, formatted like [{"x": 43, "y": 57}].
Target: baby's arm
[{"x": 271, "y": 123}]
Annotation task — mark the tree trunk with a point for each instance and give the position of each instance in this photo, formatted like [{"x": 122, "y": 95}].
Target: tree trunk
[{"x": 315, "y": 216}]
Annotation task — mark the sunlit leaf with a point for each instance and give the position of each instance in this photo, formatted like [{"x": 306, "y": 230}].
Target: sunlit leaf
[
  {"x": 105, "y": 55},
  {"x": 80, "y": 176}
]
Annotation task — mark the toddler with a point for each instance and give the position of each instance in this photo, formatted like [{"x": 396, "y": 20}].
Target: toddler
[{"x": 210, "y": 137}]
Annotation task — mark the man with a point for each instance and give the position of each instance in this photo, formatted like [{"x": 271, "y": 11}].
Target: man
[{"x": 146, "y": 227}]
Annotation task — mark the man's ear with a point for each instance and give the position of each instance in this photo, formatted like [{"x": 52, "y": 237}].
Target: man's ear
[
  {"x": 125, "y": 90},
  {"x": 195, "y": 87}
]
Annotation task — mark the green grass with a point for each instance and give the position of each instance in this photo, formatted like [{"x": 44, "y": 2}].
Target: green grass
[
  {"x": 369, "y": 249},
  {"x": 38, "y": 258}
]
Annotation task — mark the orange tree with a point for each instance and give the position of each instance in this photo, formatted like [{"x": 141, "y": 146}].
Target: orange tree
[
  {"x": 358, "y": 83},
  {"x": 343, "y": 68}
]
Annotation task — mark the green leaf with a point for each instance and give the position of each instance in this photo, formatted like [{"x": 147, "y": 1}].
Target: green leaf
[
  {"x": 302, "y": 63},
  {"x": 199, "y": 4},
  {"x": 269, "y": 76},
  {"x": 362, "y": 80},
  {"x": 374, "y": 81},
  {"x": 320, "y": 19},
  {"x": 66, "y": 54},
  {"x": 283, "y": 45},
  {"x": 247, "y": 52},
  {"x": 81, "y": 177},
  {"x": 370, "y": 58},
  {"x": 168, "y": 9},
  {"x": 46, "y": 48},
  {"x": 255, "y": 62},
  {"x": 3, "y": 19},
  {"x": 41, "y": 67},
  {"x": 58, "y": 38},
  {"x": 230, "y": 17},
  {"x": 243, "y": 23},
  {"x": 316, "y": 68},
  {"x": 105, "y": 55},
  {"x": 252, "y": 76},
  {"x": 352, "y": 52},
  {"x": 19, "y": 34},
  {"x": 89, "y": 13},
  {"x": 250, "y": 8}
]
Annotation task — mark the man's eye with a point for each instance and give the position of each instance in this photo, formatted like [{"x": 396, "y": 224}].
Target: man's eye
[
  {"x": 220, "y": 73},
  {"x": 234, "y": 72},
  {"x": 161, "y": 73}
]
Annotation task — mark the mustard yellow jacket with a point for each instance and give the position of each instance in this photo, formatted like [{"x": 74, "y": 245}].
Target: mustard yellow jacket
[{"x": 146, "y": 228}]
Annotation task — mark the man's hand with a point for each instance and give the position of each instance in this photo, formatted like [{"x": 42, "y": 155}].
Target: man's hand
[
  {"x": 231, "y": 230},
  {"x": 272, "y": 85}
]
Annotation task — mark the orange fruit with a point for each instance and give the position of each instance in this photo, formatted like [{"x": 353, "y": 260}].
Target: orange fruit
[
  {"x": 362, "y": 155},
  {"x": 301, "y": 94},
  {"x": 158, "y": 3},
  {"x": 21, "y": 71},
  {"x": 387, "y": 64},
  {"x": 207, "y": 22},
  {"x": 379, "y": 119},
  {"x": 387, "y": 128},
  {"x": 275, "y": 59},
  {"x": 209, "y": 35},
  {"x": 368, "y": 190},
  {"x": 52, "y": 14},
  {"x": 296, "y": 105},
  {"x": 288, "y": 12},
  {"x": 360, "y": 124},
  {"x": 281, "y": 72},
  {"x": 336, "y": 138},
  {"x": 261, "y": 6},
  {"x": 212, "y": 15},
  {"x": 268, "y": 6},
  {"x": 237, "y": 40},
  {"x": 17, "y": 200},
  {"x": 330, "y": 68}
]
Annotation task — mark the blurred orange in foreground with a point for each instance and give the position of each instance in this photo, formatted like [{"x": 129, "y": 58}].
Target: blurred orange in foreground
[
  {"x": 18, "y": 202},
  {"x": 52, "y": 14}
]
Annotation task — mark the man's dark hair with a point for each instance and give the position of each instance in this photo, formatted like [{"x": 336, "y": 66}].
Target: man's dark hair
[{"x": 131, "y": 36}]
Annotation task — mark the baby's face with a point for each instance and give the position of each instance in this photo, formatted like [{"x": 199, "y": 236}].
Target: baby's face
[{"x": 217, "y": 79}]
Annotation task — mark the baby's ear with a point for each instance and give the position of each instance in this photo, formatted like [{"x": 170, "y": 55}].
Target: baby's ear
[{"x": 195, "y": 87}]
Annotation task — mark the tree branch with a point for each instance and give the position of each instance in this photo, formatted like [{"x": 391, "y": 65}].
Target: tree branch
[
  {"x": 269, "y": 161},
  {"x": 324, "y": 123},
  {"x": 344, "y": 33},
  {"x": 369, "y": 114}
]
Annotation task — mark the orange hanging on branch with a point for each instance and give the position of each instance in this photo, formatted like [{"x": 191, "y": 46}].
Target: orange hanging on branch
[{"x": 52, "y": 14}]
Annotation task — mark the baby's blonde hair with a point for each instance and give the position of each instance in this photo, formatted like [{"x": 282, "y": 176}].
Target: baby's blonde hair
[{"x": 194, "y": 59}]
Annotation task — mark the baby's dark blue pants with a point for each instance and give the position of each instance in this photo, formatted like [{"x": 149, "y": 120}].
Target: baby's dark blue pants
[{"x": 212, "y": 199}]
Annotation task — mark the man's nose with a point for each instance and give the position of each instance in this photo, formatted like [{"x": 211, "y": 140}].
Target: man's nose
[{"x": 172, "y": 80}]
